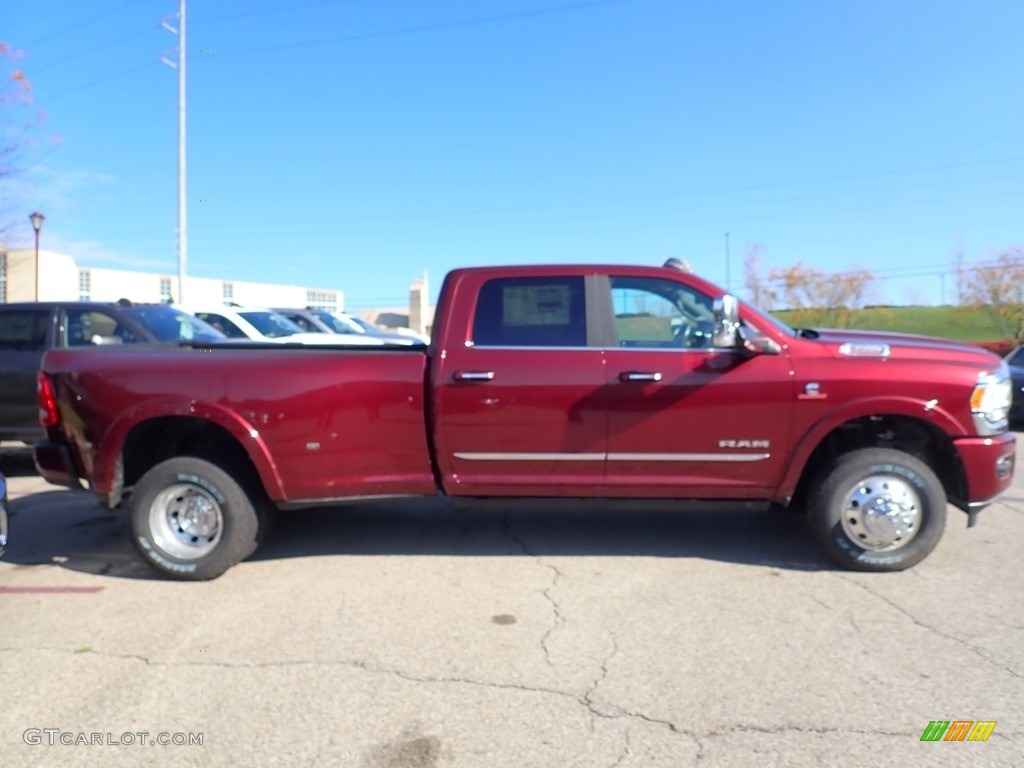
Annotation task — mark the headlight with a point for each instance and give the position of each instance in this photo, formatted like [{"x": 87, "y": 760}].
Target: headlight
[{"x": 991, "y": 399}]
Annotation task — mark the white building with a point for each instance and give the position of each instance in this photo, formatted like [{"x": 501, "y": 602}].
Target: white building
[
  {"x": 57, "y": 277},
  {"x": 418, "y": 316}
]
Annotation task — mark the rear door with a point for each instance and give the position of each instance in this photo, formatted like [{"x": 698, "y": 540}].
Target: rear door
[
  {"x": 519, "y": 399},
  {"x": 25, "y": 333},
  {"x": 687, "y": 419}
]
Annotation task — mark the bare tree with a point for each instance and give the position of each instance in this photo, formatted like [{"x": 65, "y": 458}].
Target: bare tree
[
  {"x": 820, "y": 298},
  {"x": 958, "y": 275},
  {"x": 19, "y": 122},
  {"x": 998, "y": 288},
  {"x": 754, "y": 281}
]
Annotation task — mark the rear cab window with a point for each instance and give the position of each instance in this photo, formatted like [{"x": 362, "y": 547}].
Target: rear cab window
[
  {"x": 24, "y": 330},
  {"x": 547, "y": 311}
]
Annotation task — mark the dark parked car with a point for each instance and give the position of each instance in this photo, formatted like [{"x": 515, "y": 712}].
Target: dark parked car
[
  {"x": 1016, "y": 362},
  {"x": 28, "y": 329}
]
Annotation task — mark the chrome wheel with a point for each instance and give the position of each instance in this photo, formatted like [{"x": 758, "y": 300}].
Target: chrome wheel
[
  {"x": 186, "y": 521},
  {"x": 882, "y": 513}
]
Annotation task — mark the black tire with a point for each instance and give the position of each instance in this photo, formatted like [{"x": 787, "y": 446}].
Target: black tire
[
  {"x": 869, "y": 479},
  {"x": 192, "y": 520}
]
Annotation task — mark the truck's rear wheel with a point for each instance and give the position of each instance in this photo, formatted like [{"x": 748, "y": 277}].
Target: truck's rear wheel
[
  {"x": 192, "y": 520},
  {"x": 878, "y": 509}
]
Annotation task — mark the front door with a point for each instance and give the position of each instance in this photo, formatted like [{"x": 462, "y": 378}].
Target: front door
[
  {"x": 687, "y": 419},
  {"x": 520, "y": 406}
]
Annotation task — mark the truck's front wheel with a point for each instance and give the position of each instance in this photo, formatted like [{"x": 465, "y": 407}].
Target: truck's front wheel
[
  {"x": 878, "y": 509},
  {"x": 191, "y": 520}
]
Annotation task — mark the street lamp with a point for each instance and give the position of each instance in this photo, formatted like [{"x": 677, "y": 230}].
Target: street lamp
[{"x": 37, "y": 220}]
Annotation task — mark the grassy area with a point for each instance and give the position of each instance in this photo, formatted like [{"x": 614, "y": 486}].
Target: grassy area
[{"x": 958, "y": 323}]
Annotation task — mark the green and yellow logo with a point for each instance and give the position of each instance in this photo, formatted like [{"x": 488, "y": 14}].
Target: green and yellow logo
[{"x": 958, "y": 730}]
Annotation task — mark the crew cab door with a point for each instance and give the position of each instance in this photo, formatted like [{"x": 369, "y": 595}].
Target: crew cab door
[
  {"x": 519, "y": 401},
  {"x": 687, "y": 419}
]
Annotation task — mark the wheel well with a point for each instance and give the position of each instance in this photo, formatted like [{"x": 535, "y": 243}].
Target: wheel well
[
  {"x": 157, "y": 440},
  {"x": 902, "y": 433}
]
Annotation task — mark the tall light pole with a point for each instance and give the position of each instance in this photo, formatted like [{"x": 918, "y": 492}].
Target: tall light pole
[
  {"x": 182, "y": 207},
  {"x": 37, "y": 220}
]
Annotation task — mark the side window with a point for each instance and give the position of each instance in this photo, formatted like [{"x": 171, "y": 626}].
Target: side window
[
  {"x": 654, "y": 313},
  {"x": 531, "y": 312},
  {"x": 302, "y": 322},
  {"x": 84, "y": 327},
  {"x": 24, "y": 330},
  {"x": 222, "y": 324}
]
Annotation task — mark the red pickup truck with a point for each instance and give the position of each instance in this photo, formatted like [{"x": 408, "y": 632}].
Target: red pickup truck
[{"x": 563, "y": 382}]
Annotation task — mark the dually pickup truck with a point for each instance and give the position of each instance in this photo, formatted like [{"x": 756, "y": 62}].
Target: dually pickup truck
[{"x": 604, "y": 384}]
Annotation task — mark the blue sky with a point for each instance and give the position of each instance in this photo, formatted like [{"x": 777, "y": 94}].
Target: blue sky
[{"x": 355, "y": 144}]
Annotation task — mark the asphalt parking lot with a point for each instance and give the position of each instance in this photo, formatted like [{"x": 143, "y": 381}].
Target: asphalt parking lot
[{"x": 413, "y": 638}]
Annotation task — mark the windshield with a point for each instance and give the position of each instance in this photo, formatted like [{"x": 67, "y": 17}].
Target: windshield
[
  {"x": 1016, "y": 358},
  {"x": 171, "y": 325},
  {"x": 770, "y": 320},
  {"x": 335, "y": 323},
  {"x": 367, "y": 327},
  {"x": 271, "y": 324}
]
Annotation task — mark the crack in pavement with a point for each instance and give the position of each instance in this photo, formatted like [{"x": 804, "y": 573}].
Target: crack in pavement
[
  {"x": 581, "y": 699},
  {"x": 588, "y": 695},
  {"x": 822, "y": 603},
  {"x": 627, "y": 749},
  {"x": 556, "y": 574},
  {"x": 978, "y": 650}
]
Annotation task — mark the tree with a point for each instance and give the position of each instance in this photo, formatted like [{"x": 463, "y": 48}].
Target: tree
[
  {"x": 759, "y": 294},
  {"x": 820, "y": 298},
  {"x": 19, "y": 121},
  {"x": 998, "y": 288}
]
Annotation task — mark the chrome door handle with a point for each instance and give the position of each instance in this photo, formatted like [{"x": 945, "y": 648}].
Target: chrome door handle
[
  {"x": 640, "y": 376},
  {"x": 473, "y": 376}
]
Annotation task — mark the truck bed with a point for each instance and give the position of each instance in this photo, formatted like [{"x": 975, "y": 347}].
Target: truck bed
[{"x": 318, "y": 423}]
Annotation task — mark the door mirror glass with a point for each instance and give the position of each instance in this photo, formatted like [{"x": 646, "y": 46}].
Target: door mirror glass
[{"x": 727, "y": 322}]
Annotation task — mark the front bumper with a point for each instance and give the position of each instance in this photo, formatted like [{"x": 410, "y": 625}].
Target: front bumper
[
  {"x": 53, "y": 461},
  {"x": 3, "y": 514},
  {"x": 988, "y": 464}
]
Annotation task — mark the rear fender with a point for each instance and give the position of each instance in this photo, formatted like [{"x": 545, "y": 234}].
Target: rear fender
[{"x": 106, "y": 475}]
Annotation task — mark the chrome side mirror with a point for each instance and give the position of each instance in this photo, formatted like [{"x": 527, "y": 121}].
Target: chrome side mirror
[
  {"x": 758, "y": 345},
  {"x": 727, "y": 322}
]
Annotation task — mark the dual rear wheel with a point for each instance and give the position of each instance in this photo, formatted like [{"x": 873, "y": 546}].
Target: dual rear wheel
[{"x": 193, "y": 520}]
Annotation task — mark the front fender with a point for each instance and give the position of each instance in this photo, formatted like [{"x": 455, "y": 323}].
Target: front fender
[
  {"x": 918, "y": 410},
  {"x": 106, "y": 461}
]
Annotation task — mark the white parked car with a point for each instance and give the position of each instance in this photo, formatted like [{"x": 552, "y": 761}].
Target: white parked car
[
  {"x": 260, "y": 324},
  {"x": 315, "y": 319}
]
